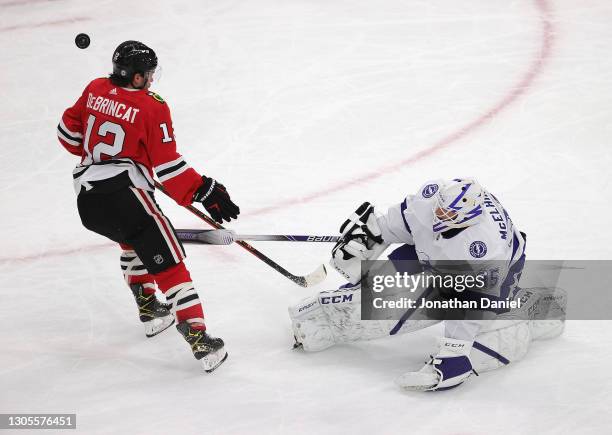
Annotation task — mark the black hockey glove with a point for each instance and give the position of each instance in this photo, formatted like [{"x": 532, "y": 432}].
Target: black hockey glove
[{"x": 216, "y": 200}]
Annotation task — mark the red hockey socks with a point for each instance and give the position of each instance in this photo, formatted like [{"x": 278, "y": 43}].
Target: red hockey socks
[
  {"x": 176, "y": 285},
  {"x": 135, "y": 272}
]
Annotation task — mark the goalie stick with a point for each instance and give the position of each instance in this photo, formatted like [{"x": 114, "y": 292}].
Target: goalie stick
[
  {"x": 227, "y": 237},
  {"x": 311, "y": 279}
]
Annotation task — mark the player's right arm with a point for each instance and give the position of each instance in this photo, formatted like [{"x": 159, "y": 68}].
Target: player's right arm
[
  {"x": 70, "y": 127},
  {"x": 394, "y": 226},
  {"x": 182, "y": 182},
  {"x": 178, "y": 178}
]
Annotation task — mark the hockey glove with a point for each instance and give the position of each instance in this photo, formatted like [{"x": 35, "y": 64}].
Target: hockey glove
[
  {"x": 361, "y": 240},
  {"x": 360, "y": 233},
  {"x": 216, "y": 200}
]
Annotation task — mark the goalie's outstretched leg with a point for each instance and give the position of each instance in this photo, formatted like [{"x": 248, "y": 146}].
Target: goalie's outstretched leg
[
  {"x": 448, "y": 369},
  {"x": 500, "y": 342},
  {"x": 334, "y": 316}
]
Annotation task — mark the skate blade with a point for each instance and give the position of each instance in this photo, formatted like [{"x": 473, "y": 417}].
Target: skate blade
[
  {"x": 213, "y": 360},
  {"x": 416, "y": 388},
  {"x": 151, "y": 330},
  {"x": 415, "y": 382},
  {"x": 407, "y": 387}
]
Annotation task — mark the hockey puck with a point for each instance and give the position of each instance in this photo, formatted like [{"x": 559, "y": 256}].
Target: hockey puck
[{"x": 82, "y": 40}]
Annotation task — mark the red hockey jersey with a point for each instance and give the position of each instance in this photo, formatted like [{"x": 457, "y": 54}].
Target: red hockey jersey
[{"x": 116, "y": 129}]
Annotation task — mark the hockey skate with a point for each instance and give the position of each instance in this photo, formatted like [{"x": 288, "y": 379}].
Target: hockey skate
[
  {"x": 154, "y": 315},
  {"x": 448, "y": 369},
  {"x": 210, "y": 351}
]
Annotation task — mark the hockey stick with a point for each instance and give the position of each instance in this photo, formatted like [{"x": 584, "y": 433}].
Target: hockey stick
[
  {"x": 313, "y": 278},
  {"x": 227, "y": 237}
]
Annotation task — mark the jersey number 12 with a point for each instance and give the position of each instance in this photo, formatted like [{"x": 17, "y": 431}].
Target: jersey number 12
[{"x": 94, "y": 155}]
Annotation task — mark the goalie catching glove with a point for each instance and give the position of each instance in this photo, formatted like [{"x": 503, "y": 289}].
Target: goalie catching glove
[
  {"x": 216, "y": 200},
  {"x": 361, "y": 240}
]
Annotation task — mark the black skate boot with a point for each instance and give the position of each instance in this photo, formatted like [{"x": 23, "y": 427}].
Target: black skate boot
[
  {"x": 210, "y": 351},
  {"x": 155, "y": 315}
]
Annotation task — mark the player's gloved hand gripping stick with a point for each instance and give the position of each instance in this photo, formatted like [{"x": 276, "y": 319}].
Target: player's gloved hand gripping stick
[{"x": 216, "y": 200}]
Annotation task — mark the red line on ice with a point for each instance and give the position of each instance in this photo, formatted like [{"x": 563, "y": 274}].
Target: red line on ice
[
  {"x": 55, "y": 253},
  {"x": 44, "y": 24},
  {"x": 516, "y": 91},
  {"x": 24, "y": 2}
]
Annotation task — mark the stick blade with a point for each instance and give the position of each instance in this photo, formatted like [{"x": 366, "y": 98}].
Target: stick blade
[{"x": 315, "y": 277}]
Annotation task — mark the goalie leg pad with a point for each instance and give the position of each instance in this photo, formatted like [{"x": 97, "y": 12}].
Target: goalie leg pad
[
  {"x": 507, "y": 339},
  {"x": 333, "y": 317},
  {"x": 310, "y": 325},
  {"x": 547, "y": 317}
]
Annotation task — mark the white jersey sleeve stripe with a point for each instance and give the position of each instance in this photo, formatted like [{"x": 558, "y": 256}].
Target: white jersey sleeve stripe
[
  {"x": 168, "y": 164},
  {"x": 74, "y": 134},
  {"x": 66, "y": 140},
  {"x": 174, "y": 173}
]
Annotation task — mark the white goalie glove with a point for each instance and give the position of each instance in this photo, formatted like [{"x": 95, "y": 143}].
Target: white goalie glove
[{"x": 361, "y": 240}]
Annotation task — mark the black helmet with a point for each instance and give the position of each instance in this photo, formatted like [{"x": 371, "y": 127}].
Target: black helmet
[{"x": 132, "y": 57}]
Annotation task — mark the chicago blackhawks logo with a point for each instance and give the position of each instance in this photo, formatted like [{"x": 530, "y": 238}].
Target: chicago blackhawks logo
[{"x": 156, "y": 97}]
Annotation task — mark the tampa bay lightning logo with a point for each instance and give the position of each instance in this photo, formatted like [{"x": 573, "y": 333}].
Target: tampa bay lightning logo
[
  {"x": 429, "y": 190},
  {"x": 478, "y": 249}
]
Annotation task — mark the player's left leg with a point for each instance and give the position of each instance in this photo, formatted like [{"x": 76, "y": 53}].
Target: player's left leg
[
  {"x": 155, "y": 242},
  {"x": 155, "y": 315}
]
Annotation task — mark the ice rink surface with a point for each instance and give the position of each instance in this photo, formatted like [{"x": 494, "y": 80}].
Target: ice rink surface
[{"x": 303, "y": 109}]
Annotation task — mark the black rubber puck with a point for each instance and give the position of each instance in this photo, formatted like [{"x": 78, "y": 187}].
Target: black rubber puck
[{"x": 82, "y": 40}]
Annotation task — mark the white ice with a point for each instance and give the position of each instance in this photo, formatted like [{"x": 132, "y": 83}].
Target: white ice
[{"x": 303, "y": 109}]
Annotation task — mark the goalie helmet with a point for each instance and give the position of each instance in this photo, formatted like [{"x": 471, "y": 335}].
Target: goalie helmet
[
  {"x": 458, "y": 204},
  {"x": 130, "y": 58}
]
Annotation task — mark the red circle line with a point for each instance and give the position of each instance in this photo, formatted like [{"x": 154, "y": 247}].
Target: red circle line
[{"x": 516, "y": 91}]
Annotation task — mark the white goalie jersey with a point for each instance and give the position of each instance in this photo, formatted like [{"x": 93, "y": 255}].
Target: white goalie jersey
[
  {"x": 456, "y": 221},
  {"x": 493, "y": 239}
]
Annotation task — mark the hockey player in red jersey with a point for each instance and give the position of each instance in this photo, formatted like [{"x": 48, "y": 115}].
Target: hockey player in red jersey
[{"x": 123, "y": 134}]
